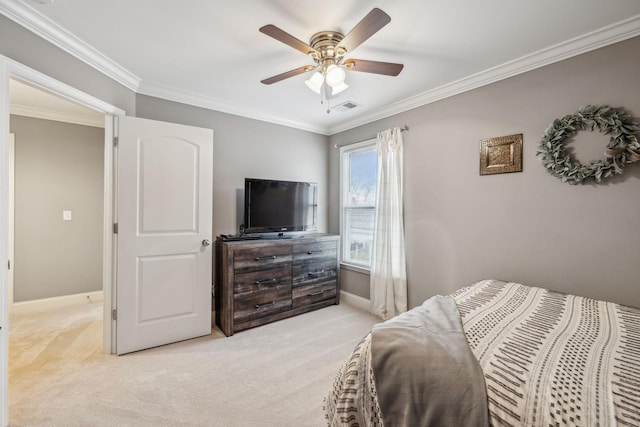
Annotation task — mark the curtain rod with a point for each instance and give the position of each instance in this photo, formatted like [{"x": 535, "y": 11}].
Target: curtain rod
[{"x": 402, "y": 129}]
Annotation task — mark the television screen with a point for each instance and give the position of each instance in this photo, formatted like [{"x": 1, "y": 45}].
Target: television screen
[{"x": 279, "y": 206}]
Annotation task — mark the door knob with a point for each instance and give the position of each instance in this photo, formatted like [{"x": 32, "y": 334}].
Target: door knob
[{"x": 206, "y": 242}]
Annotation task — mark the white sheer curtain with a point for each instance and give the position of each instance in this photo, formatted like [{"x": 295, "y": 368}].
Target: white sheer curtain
[{"x": 388, "y": 283}]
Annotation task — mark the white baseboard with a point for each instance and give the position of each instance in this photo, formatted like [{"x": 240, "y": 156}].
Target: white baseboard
[
  {"x": 355, "y": 301},
  {"x": 56, "y": 302}
]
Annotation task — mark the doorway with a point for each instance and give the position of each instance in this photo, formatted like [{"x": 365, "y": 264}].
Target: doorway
[
  {"x": 58, "y": 202},
  {"x": 12, "y": 70},
  {"x": 55, "y": 304}
]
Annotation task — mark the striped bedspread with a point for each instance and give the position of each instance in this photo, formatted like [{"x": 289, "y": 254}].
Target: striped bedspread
[
  {"x": 548, "y": 359},
  {"x": 553, "y": 359}
]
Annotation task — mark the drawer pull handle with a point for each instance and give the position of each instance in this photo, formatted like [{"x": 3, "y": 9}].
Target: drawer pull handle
[
  {"x": 264, "y": 258},
  {"x": 265, "y": 282},
  {"x": 314, "y": 252},
  {"x": 269, "y": 304},
  {"x": 316, "y": 273},
  {"x": 314, "y": 294}
]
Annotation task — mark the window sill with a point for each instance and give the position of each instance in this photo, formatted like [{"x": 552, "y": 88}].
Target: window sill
[{"x": 356, "y": 268}]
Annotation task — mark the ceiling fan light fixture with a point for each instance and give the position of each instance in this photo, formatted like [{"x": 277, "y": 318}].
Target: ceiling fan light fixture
[
  {"x": 315, "y": 82},
  {"x": 338, "y": 88},
  {"x": 335, "y": 75}
]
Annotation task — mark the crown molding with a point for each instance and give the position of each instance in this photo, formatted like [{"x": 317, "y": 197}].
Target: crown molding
[
  {"x": 58, "y": 116},
  {"x": 29, "y": 18},
  {"x": 211, "y": 103},
  {"x": 602, "y": 37},
  {"x": 605, "y": 36},
  {"x": 42, "y": 26}
]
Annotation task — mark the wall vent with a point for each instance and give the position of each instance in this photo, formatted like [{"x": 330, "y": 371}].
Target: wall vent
[{"x": 346, "y": 106}]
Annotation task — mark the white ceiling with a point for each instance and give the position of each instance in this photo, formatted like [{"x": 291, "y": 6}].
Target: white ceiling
[{"x": 211, "y": 54}]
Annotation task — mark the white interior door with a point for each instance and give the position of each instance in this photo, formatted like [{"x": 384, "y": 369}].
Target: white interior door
[{"x": 164, "y": 214}]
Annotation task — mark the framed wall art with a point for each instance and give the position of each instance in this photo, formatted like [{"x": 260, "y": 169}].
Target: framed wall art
[{"x": 501, "y": 155}]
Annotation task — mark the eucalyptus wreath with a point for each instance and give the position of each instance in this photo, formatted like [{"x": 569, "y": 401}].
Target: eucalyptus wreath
[{"x": 623, "y": 146}]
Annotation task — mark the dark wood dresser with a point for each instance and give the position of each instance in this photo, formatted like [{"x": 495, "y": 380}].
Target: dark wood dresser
[{"x": 264, "y": 280}]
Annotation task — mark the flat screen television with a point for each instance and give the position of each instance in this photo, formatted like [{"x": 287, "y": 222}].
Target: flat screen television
[{"x": 275, "y": 206}]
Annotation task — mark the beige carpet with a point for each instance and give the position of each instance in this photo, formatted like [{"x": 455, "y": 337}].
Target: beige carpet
[{"x": 274, "y": 375}]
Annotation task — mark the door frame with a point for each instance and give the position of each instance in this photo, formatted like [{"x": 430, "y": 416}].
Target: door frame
[
  {"x": 10, "y": 69},
  {"x": 11, "y": 218}
]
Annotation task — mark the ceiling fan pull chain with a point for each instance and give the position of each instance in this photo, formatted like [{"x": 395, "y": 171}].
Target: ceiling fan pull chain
[{"x": 324, "y": 99}]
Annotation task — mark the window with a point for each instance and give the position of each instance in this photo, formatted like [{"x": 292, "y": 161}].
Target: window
[{"x": 358, "y": 202}]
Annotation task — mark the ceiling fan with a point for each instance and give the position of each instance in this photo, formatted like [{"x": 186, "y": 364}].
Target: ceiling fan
[{"x": 327, "y": 49}]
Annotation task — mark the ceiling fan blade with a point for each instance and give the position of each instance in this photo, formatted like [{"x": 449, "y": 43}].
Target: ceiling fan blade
[
  {"x": 286, "y": 38},
  {"x": 370, "y": 24},
  {"x": 376, "y": 67},
  {"x": 287, "y": 74}
]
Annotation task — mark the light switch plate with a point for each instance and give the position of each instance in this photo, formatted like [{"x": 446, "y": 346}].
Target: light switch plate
[{"x": 66, "y": 215}]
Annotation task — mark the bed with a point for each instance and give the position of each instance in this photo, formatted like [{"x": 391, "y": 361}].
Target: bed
[{"x": 495, "y": 353}]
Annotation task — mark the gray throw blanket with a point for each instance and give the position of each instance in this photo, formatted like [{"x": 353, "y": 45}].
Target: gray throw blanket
[{"x": 424, "y": 372}]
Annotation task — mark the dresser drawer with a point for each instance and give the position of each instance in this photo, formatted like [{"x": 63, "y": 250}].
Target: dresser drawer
[
  {"x": 314, "y": 252},
  {"x": 261, "y": 258},
  {"x": 314, "y": 273},
  {"x": 261, "y": 280},
  {"x": 262, "y": 303},
  {"x": 310, "y": 294}
]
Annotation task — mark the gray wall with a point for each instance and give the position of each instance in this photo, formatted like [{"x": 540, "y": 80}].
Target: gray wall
[
  {"x": 461, "y": 227},
  {"x": 527, "y": 227},
  {"x": 58, "y": 166},
  {"x": 242, "y": 147},
  {"x": 248, "y": 148}
]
